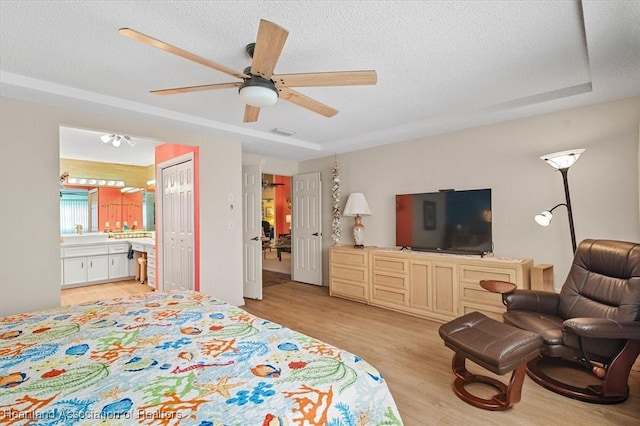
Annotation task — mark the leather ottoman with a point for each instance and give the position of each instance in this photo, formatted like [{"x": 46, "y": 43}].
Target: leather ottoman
[{"x": 496, "y": 346}]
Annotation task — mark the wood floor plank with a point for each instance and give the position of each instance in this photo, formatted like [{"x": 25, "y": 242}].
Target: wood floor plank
[
  {"x": 411, "y": 356},
  {"x": 417, "y": 366}
]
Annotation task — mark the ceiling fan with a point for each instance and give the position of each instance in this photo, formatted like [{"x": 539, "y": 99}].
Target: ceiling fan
[
  {"x": 260, "y": 87},
  {"x": 268, "y": 185}
]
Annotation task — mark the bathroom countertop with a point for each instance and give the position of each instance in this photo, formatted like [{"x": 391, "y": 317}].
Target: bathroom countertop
[{"x": 100, "y": 239}]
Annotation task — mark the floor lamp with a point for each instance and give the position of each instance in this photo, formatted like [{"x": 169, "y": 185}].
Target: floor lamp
[{"x": 561, "y": 161}]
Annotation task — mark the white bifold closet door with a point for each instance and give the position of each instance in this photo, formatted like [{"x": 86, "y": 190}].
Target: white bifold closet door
[{"x": 177, "y": 227}]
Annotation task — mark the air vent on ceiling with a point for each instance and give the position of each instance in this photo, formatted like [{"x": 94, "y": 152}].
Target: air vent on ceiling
[{"x": 284, "y": 132}]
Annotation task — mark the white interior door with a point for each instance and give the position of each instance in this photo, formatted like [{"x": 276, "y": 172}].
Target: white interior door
[
  {"x": 251, "y": 231},
  {"x": 306, "y": 233},
  {"x": 177, "y": 227}
]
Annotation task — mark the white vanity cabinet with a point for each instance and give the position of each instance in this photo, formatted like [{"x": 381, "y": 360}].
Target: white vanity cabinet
[
  {"x": 85, "y": 264},
  {"x": 118, "y": 261},
  {"x": 147, "y": 245},
  {"x": 151, "y": 265},
  {"x": 98, "y": 268}
]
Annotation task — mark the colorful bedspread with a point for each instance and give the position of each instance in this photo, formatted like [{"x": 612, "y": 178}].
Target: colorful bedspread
[{"x": 179, "y": 358}]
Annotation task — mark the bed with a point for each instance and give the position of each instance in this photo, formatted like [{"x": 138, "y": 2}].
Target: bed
[{"x": 179, "y": 358}]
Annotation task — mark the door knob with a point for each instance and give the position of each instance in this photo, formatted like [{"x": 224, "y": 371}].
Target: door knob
[
  {"x": 256, "y": 238},
  {"x": 315, "y": 234}
]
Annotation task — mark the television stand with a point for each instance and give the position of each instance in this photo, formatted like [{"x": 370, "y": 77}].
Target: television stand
[
  {"x": 434, "y": 285},
  {"x": 453, "y": 251}
]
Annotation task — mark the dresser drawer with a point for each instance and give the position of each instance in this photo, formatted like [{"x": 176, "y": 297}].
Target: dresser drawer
[
  {"x": 348, "y": 289},
  {"x": 350, "y": 257},
  {"x": 473, "y": 274},
  {"x": 390, "y": 280},
  {"x": 118, "y": 248},
  {"x": 391, "y": 264},
  {"x": 151, "y": 262},
  {"x": 138, "y": 247},
  {"x": 351, "y": 274},
  {"x": 385, "y": 297}
]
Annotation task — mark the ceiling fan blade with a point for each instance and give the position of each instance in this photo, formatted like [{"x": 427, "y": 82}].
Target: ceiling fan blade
[
  {"x": 251, "y": 114},
  {"x": 180, "y": 52},
  {"x": 189, "y": 89},
  {"x": 306, "y": 102},
  {"x": 269, "y": 44},
  {"x": 338, "y": 78}
]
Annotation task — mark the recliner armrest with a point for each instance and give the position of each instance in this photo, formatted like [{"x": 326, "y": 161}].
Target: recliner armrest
[
  {"x": 544, "y": 302},
  {"x": 602, "y": 328}
]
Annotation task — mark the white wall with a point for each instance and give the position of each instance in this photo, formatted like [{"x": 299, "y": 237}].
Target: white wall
[
  {"x": 29, "y": 208},
  {"x": 272, "y": 166},
  {"x": 505, "y": 157}
]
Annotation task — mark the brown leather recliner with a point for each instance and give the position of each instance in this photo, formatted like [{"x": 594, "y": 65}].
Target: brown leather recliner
[{"x": 594, "y": 321}]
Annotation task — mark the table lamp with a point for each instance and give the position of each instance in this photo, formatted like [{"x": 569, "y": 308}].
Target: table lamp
[{"x": 357, "y": 206}]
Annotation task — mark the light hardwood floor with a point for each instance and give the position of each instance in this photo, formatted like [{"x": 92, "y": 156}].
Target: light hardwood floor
[
  {"x": 417, "y": 366},
  {"x": 78, "y": 295}
]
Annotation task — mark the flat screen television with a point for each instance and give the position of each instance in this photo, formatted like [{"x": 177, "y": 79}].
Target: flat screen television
[{"x": 445, "y": 221}]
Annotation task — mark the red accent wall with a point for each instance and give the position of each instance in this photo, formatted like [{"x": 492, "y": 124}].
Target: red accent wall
[
  {"x": 283, "y": 193},
  {"x": 166, "y": 152}
]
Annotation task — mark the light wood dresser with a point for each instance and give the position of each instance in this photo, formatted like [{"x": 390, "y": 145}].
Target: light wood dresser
[{"x": 429, "y": 285}]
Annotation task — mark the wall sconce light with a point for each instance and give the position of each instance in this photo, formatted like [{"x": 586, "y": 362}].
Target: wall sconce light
[
  {"x": 357, "y": 206},
  {"x": 561, "y": 161}
]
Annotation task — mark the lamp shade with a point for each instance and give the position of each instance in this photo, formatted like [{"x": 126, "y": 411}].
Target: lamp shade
[
  {"x": 287, "y": 218},
  {"x": 563, "y": 159},
  {"x": 356, "y": 205},
  {"x": 544, "y": 218}
]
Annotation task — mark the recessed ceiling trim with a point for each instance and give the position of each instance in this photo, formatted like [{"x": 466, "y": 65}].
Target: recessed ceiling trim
[
  {"x": 84, "y": 95},
  {"x": 552, "y": 95}
]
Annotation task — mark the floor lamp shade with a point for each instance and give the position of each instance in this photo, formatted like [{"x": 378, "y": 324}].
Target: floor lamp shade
[
  {"x": 357, "y": 206},
  {"x": 562, "y": 161}
]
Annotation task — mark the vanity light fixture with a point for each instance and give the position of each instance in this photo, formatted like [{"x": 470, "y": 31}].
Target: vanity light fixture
[
  {"x": 130, "y": 189},
  {"x": 94, "y": 182}
]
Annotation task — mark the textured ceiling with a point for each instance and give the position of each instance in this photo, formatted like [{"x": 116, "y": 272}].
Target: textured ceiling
[{"x": 441, "y": 66}]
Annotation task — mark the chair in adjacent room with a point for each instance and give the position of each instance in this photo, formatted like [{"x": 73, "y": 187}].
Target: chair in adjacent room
[
  {"x": 592, "y": 324},
  {"x": 266, "y": 239}
]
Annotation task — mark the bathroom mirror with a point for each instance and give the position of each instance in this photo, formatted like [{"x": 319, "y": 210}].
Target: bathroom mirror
[{"x": 106, "y": 210}]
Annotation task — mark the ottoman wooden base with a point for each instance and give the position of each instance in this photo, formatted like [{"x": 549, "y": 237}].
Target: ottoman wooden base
[
  {"x": 507, "y": 394},
  {"x": 496, "y": 346}
]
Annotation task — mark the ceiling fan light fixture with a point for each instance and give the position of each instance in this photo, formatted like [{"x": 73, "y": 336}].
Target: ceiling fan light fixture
[{"x": 258, "y": 92}]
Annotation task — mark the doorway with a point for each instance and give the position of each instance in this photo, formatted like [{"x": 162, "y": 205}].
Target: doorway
[{"x": 276, "y": 229}]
